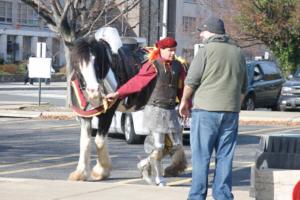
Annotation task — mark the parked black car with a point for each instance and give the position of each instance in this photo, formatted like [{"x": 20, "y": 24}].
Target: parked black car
[
  {"x": 290, "y": 93},
  {"x": 264, "y": 85}
]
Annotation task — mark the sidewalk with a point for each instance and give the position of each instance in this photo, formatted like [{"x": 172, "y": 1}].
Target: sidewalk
[{"x": 32, "y": 189}]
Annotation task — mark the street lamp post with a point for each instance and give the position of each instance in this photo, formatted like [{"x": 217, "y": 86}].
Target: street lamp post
[{"x": 165, "y": 18}]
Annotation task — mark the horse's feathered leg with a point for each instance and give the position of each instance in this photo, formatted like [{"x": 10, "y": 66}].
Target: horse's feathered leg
[
  {"x": 83, "y": 168},
  {"x": 103, "y": 167}
]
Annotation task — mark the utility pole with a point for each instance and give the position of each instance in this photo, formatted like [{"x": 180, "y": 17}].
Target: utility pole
[{"x": 165, "y": 19}]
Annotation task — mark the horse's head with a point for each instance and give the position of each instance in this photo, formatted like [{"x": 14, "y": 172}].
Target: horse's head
[
  {"x": 91, "y": 61},
  {"x": 103, "y": 64}
]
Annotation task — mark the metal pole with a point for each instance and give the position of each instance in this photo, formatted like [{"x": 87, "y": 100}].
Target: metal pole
[
  {"x": 158, "y": 19},
  {"x": 165, "y": 19},
  {"x": 149, "y": 22},
  {"x": 40, "y": 89}
]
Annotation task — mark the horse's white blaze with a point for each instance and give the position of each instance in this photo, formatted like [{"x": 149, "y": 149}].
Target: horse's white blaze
[
  {"x": 89, "y": 75},
  {"x": 111, "y": 36},
  {"x": 85, "y": 146}
]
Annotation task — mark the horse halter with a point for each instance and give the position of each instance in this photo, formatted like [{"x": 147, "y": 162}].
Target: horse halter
[{"x": 98, "y": 72}]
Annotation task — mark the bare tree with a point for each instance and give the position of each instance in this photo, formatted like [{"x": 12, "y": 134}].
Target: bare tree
[{"x": 73, "y": 19}]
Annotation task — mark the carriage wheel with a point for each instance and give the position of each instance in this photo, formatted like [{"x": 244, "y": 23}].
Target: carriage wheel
[{"x": 130, "y": 136}]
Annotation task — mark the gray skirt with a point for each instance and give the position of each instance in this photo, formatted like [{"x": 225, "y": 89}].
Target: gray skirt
[{"x": 161, "y": 120}]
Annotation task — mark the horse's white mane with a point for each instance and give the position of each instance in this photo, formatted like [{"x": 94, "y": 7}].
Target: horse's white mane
[{"x": 111, "y": 36}]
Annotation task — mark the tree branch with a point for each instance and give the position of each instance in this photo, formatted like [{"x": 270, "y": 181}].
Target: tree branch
[
  {"x": 57, "y": 8},
  {"x": 92, "y": 25},
  {"x": 42, "y": 9},
  {"x": 129, "y": 8}
]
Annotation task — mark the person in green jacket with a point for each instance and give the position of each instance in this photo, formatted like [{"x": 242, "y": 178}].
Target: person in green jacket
[{"x": 217, "y": 81}]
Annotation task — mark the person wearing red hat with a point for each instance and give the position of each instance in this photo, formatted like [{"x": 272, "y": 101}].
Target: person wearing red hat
[{"x": 165, "y": 75}]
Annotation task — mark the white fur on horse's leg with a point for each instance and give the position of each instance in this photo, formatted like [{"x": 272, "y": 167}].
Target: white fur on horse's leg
[
  {"x": 103, "y": 167},
  {"x": 83, "y": 168}
]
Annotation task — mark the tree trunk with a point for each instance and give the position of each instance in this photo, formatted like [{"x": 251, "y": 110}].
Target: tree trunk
[{"x": 69, "y": 68}]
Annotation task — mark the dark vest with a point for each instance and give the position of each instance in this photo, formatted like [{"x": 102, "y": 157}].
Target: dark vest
[{"x": 165, "y": 90}]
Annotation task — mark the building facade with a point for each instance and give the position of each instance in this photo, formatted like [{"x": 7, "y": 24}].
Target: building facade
[
  {"x": 183, "y": 17},
  {"x": 20, "y": 30}
]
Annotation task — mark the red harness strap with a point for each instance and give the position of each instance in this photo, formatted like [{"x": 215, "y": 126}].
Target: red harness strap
[
  {"x": 80, "y": 105},
  {"x": 79, "y": 94}
]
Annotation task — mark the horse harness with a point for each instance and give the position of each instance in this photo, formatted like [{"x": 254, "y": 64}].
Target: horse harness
[{"x": 81, "y": 104}]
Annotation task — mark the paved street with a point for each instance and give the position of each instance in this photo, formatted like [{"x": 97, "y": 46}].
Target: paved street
[
  {"x": 37, "y": 149},
  {"x": 48, "y": 149}
]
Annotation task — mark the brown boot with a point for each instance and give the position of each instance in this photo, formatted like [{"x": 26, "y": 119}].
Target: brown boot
[{"x": 179, "y": 164}]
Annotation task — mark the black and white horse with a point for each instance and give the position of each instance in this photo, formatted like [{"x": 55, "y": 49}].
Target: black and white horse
[{"x": 101, "y": 65}]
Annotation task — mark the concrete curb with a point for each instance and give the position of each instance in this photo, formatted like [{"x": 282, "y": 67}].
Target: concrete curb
[
  {"x": 11, "y": 111},
  {"x": 270, "y": 118},
  {"x": 291, "y": 122},
  {"x": 57, "y": 115},
  {"x": 20, "y": 114},
  {"x": 36, "y": 114}
]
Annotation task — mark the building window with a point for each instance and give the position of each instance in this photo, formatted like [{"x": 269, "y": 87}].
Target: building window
[
  {"x": 27, "y": 16},
  {"x": 188, "y": 24},
  {"x": 6, "y": 11}
]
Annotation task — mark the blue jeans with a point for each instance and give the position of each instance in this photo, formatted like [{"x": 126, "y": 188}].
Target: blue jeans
[{"x": 212, "y": 131}]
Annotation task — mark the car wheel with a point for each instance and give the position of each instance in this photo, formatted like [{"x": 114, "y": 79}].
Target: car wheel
[
  {"x": 275, "y": 108},
  {"x": 129, "y": 132},
  {"x": 282, "y": 108},
  {"x": 249, "y": 103}
]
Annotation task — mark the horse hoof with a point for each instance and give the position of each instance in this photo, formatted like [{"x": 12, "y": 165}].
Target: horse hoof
[
  {"x": 98, "y": 177},
  {"x": 76, "y": 176}
]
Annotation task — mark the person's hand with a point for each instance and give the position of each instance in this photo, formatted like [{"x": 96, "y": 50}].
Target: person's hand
[
  {"x": 112, "y": 96},
  {"x": 184, "y": 110}
]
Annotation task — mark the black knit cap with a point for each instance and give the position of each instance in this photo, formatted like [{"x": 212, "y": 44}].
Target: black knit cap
[{"x": 213, "y": 25}]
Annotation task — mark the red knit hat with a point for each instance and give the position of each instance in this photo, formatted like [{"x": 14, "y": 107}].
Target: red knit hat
[{"x": 167, "y": 42}]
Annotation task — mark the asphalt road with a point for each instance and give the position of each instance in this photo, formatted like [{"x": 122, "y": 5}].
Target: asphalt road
[
  {"x": 53, "y": 97},
  {"x": 48, "y": 149}
]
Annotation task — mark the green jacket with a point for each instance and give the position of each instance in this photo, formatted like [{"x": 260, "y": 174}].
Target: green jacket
[{"x": 218, "y": 75}]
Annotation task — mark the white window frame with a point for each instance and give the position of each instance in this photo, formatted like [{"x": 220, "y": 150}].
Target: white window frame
[
  {"x": 27, "y": 16},
  {"x": 188, "y": 24},
  {"x": 6, "y": 14}
]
